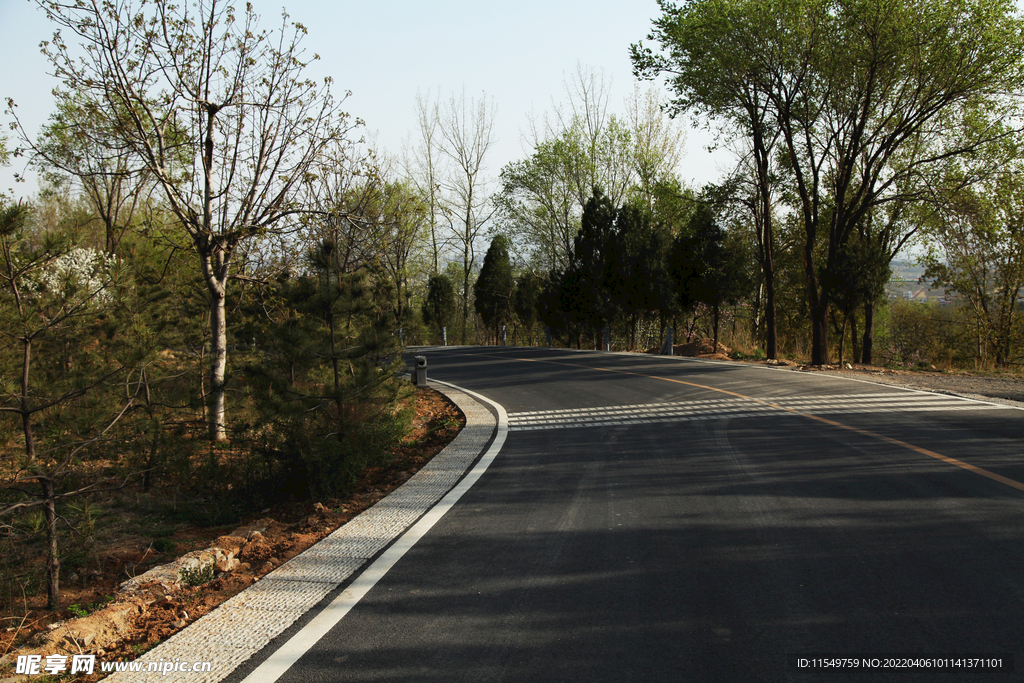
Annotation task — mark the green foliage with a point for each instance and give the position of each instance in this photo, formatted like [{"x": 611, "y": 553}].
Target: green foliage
[
  {"x": 978, "y": 252},
  {"x": 909, "y": 332},
  {"x": 493, "y": 287},
  {"x": 440, "y": 306},
  {"x": 858, "y": 274},
  {"x": 708, "y": 267},
  {"x": 326, "y": 400},
  {"x": 584, "y": 294},
  {"x": 526, "y": 301},
  {"x": 63, "y": 336},
  {"x": 638, "y": 277},
  {"x": 197, "y": 576},
  {"x": 164, "y": 545},
  {"x": 869, "y": 101},
  {"x": 232, "y": 165},
  {"x": 544, "y": 196}
]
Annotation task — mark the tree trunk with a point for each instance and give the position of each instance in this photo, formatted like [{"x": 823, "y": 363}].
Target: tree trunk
[
  {"x": 467, "y": 265},
  {"x": 215, "y": 260},
  {"x": 218, "y": 367},
  {"x": 853, "y": 336},
  {"x": 817, "y": 303},
  {"x": 26, "y": 413},
  {"x": 842, "y": 339},
  {"x": 770, "y": 328},
  {"x": 819, "y": 334},
  {"x": 714, "y": 314},
  {"x": 52, "y": 555},
  {"x": 763, "y": 216},
  {"x": 869, "y": 333}
]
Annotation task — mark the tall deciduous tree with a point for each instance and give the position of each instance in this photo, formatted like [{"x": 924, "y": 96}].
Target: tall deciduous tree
[
  {"x": 214, "y": 109},
  {"x": 977, "y": 250},
  {"x": 862, "y": 96},
  {"x": 401, "y": 218},
  {"x": 75, "y": 148},
  {"x": 424, "y": 167},
  {"x": 580, "y": 148},
  {"x": 466, "y": 127},
  {"x": 713, "y": 58}
]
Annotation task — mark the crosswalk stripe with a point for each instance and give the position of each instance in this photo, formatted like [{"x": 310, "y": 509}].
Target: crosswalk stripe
[{"x": 681, "y": 411}]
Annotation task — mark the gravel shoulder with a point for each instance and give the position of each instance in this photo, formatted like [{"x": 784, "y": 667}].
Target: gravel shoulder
[{"x": 1004, "y": 390}]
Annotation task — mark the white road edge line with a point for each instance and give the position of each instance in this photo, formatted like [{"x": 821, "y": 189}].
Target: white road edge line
[{"x": 310, "y": 634}]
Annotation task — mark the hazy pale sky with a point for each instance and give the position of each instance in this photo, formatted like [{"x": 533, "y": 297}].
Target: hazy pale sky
[{"x": 519, "y": 53}]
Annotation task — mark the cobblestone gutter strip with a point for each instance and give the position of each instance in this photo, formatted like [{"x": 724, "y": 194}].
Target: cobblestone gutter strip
[{"x": 243, "y": 625}]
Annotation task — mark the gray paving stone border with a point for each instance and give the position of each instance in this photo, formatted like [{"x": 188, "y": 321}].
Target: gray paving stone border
[{"x": 244, "y": 624}]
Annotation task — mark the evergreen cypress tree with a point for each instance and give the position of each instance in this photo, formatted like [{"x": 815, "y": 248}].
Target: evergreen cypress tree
[{"x": 493, "y": 288}]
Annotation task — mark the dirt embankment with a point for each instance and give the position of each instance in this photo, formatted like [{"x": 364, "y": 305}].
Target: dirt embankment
[{"x": 161, "y": 599}]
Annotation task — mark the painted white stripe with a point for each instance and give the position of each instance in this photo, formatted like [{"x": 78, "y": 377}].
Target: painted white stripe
[
  {"x": 894, "y": 384},
  {"x": 889, "y": 398},
  {"x": 703, "y": 410},
  {"x": 299, "y": 644}
]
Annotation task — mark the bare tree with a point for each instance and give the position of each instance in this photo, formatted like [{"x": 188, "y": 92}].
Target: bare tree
[
  {"x": 422, "y": 164},
  {"x": 343, "y": 200},
  {"x": 467, "y": 134},
  {"x": 658, "y": 142},
  {"x": 215, "y": 110},
  {"x": 581, "y": 145}
]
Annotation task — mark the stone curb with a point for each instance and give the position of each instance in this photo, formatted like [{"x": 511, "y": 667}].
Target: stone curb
[{"x": 244, "y": 624}]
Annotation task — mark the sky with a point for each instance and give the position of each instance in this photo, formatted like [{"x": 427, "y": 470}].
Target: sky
[{"x": 519, "y": 54}]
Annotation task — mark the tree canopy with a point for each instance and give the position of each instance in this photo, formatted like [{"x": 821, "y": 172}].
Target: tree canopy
[{"x": 861, "y": 96}]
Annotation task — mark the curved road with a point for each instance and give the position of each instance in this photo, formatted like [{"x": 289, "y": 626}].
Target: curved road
[{"x": 677, "y": 520}]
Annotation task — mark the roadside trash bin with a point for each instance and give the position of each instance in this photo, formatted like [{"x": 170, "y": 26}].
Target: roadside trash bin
[{"x": 420, "y": 378}]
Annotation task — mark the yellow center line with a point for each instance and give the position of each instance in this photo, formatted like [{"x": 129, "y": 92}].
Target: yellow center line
[{"x": 864, "y": 432}]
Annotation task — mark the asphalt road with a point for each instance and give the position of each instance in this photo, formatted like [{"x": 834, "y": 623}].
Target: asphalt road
[{"x": 654, "y": 519}]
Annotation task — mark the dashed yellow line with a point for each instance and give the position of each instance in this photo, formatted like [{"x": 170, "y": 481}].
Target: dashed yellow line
[{"x": 1013, "y": 483}]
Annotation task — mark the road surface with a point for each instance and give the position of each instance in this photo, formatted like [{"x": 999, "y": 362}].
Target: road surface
[{"x": 652, "y": 519}]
